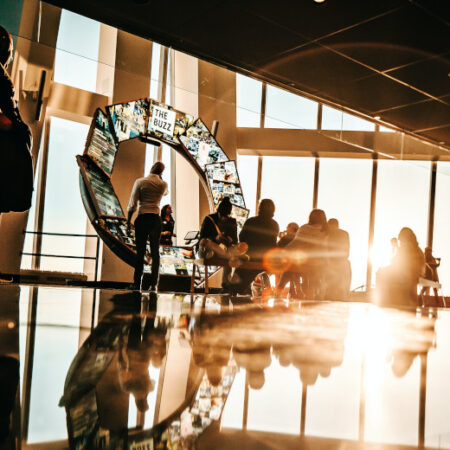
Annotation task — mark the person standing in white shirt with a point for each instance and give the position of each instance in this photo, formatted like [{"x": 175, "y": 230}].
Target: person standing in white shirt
[{"x": 146, "y": 197}]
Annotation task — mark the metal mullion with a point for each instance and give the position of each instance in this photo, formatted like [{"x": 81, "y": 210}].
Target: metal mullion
[
  {"x": 373, "y": 199},
  {"x": 316, "y": 181},
  {"x": 40, "y": 197},
  {"x": 431, "y": 204}
]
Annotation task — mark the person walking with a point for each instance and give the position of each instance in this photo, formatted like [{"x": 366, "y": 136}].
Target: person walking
[{"x": 146, "y": 197}]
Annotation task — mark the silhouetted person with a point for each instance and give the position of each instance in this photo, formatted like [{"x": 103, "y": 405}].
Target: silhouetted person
[
  {"x": 309, "y": 252},
  {"x": 339, "y": 269},
  {"x": 146, "y": 196},
  {"x": 218, "y": 234},
  {"x": 167, "y": 225},
  {"x": 288, "y": 235},
  {"x": 397, "y": 283},
  {"x": 431, "y": 265},
  {"x": 16, "y": 167},
  {"x": 260, "y": 234}
]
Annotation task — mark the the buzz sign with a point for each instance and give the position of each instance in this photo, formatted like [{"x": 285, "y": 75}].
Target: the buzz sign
[
  {"x": 147, "y": 444},
  {"x": 163, "y": 120}
]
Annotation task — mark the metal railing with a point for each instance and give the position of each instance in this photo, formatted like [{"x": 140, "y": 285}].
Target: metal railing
[{"x": 49, "y": 255}]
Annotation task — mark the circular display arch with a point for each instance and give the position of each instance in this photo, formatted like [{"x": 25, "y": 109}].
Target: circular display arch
[{"x": 153, "y": 123}]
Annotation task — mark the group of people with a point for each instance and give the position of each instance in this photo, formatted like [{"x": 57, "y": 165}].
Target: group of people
[
  {"x": 315, "y": 255},
  {"x": 317, "y": 252}
]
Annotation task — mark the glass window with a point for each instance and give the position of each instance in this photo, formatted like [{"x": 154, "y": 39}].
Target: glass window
[
  {"x": 76, "y": 58},
  {"x": 26, "y": 261},
  {"x": 344, "y": 193},
  {"x": 333, "y": 119},
  {"x": 441, "y": 239},
  {"x": 289, "y": 182},
  {"x": 287, "y": 110},
  {"x": 402, "y": 201},
  {"x": 154, "y": 75},
  {"x": 63, "y": 209},
  {"x": 248, "y": 101},
  {"x": 386, "y": 129},
  {"x": 248, "y": 173}
]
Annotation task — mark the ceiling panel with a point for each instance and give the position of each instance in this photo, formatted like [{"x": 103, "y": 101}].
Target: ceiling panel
[
  {"x": 334, "y": 50},
  {"x": 430, "y": 76},
  {"x": 394, "y": 39},
  {"x": 421, "y": 116}
]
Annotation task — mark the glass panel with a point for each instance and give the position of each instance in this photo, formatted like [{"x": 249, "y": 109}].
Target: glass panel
[
  {"x": 248, "y": 172},
  {"x": 154, "y": 76},
  {"x": 287, "y": 110},
  {"x": 402, "y": 201},
  {"x": 333, "y": 119},
  {"x": 26, "y": 260},
  {"x": 339, "y": 199},
  {"x": 63, "y": 210},
  {"x": 248, "y": 101},
  {"x": 386, "y": 129},
  {"x": 289, "y": 182},
  {"x": 57, "y": 333},
  {"x": 76, "y": 58},
  {"x": 441, "y": 239}
]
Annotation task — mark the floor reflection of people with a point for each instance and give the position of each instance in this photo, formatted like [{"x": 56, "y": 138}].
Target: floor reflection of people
[{"x": 9, "y": 361}]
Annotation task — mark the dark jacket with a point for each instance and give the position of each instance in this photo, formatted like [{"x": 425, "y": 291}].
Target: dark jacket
[
  {"x": 228, "y": 227},
  {"x": 260, "y": 234}
]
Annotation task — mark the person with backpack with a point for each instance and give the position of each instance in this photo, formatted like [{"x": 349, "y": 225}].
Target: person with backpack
[{"x": 16, "y": 164}]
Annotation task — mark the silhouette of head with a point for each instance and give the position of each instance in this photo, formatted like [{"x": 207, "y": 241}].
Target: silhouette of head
[
  {"x": 318, "y": 217},
  {"x": 407, "y": 237},
  {"x": 333, "y": 224},
  {"x": 158, "y": 168},
  {"x": 224, "y": 208},
  {"x": 166, "y": 210},
  {"x": 266, "y": 208},
  {"x": 292, "y": 228},
  {"x": 6, "y": 47}
]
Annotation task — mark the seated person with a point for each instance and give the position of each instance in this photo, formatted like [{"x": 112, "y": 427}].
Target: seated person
[
  {"x": 260, "y": 234},
  {"x": 287, "y": 236},
  {"x": 339, "y": 269},
  {"x": 218, "y": 231},
  {"x": 218, "y": 235},
  {"x": 397, "y": 283},
  {"x": 431, "y": 265},
  {"x": 308, "y": 250}
]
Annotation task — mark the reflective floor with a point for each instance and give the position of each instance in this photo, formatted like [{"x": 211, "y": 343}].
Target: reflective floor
[{"x": 83, "y": 368}]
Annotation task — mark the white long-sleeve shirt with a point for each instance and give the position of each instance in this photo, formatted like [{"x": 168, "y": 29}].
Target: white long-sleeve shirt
[{"x": 146, "y": 194}]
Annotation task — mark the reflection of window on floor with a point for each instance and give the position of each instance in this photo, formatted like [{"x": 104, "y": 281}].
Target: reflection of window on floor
[
  {"x": 57, "y": 334},
  {"x": 263, "y": 402},
  {"x": 441, "y": 239},
  {"x": 402, "y": 201},
  {"x": 287, "y": 110},
  {"x": 339, "y": 199},
  {"x": 76, "y": 58},
  {"x": 63, "y": 209},
  {"x": 289, "y": 182}
]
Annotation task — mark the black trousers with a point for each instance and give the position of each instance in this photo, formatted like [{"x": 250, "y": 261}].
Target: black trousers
[{"x": 147, "y": 227}]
